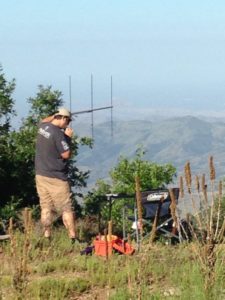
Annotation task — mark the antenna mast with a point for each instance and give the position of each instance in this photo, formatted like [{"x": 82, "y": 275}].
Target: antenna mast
[
  {"x": 92, "y": 106},
  {"x": 92, "y": 116},
  {"x": 70, "y": 93},
  {"x": 111, "y": 107}
]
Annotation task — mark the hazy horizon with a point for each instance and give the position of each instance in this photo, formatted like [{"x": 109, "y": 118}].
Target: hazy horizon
[{"x": 164, "y": 56}]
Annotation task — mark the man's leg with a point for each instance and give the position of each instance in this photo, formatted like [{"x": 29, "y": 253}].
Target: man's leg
[
  {"x": 69, "y": 222},
  {"x": 63, "y": 203},
  {"x": 46, "y": 220},
  {"x": 42, "y": 185}
]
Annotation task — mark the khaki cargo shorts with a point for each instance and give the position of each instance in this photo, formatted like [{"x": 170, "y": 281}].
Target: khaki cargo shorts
[{"x": 54, "y": 194}]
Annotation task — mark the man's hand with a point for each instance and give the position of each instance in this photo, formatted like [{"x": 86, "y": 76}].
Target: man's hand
[{"x": 69, "y": 132}]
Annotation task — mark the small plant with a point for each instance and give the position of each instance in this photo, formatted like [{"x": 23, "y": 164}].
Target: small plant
[
  {"x": 9, "y": 210},
  {"x": 20, "y": 247},
  {"x": 205, "y": 223}
]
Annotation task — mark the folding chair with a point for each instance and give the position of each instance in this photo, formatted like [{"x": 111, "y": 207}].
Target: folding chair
[{"x": 156, "y": 204}]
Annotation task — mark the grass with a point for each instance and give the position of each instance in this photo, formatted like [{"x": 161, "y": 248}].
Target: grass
[
  {"x": 57, "y": 288},
  {"x": 32, "y": 268},
  {"x": 58, "y": 271}
]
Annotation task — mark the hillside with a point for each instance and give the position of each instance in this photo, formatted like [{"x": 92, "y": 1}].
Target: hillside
[{"x": 172, "y": 141}]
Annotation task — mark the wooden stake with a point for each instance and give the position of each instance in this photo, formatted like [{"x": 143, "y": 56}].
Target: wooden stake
[{"x": 139, "y": 205}]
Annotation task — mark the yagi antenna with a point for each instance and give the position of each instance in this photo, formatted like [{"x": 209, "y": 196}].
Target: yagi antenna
[
  {"x": 70, "y": 93},
  {"x": 92, "y": 109}
]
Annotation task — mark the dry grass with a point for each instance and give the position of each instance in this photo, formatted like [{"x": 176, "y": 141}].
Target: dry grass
[{"x": 205, "y": 224}]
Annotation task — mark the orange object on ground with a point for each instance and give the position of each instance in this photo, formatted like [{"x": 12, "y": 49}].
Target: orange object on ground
[
  {"x": 123, "y": 247},
  {"x": 102, "y": 247}
]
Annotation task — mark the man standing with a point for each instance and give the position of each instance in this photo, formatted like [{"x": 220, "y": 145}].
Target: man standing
[{"x": 52, "y": 152}]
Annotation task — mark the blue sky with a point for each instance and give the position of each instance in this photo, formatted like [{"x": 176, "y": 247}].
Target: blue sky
[{"x": 164, "y": 55}]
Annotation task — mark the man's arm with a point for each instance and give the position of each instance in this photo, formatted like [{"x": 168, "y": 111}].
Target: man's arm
[
  {"x": 69, "y": 133},
  {"x": 48, "y": 119}
]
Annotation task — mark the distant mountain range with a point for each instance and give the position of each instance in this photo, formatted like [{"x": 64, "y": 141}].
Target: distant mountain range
[{"x": 174, "y": 141}]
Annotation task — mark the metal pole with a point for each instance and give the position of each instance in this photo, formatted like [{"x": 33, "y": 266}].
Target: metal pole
[
  {"x": 136, "y": 229},
  {"x": 92, "y": 115},
  {"x": 111, "y": 107},
  {"x": 70, "y": 94}
]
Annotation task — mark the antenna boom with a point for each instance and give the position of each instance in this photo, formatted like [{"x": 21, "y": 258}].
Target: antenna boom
[{"x": 90, "y": 110}]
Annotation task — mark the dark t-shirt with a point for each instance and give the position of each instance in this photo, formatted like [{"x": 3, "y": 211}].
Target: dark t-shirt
[{"x": 51, "y": 142}]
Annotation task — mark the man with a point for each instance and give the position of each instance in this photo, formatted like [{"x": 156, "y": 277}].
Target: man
[{"x": 52, "y": 152}]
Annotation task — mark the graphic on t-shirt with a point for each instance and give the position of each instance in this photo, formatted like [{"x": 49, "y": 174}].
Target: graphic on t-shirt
[
  {"x": 65, "y": 145},
  {"x": 44, "y": 133}
]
